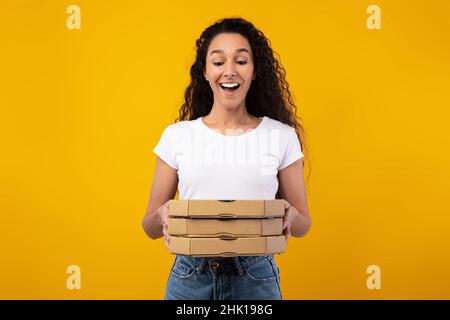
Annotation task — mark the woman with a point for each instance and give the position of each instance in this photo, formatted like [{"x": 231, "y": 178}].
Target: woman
[{"x": 237, "y": 109}]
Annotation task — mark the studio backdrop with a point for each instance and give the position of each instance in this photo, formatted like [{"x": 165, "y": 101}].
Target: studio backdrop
[{"x": 87, "y": 87}]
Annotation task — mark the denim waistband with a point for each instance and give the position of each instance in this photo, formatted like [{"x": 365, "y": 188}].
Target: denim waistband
[{"x": 226, "y": 263}]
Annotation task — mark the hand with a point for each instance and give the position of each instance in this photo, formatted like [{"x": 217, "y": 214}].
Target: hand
[
  {"x": 163, "y": 213},
  {"x": 289, "y": 216}
]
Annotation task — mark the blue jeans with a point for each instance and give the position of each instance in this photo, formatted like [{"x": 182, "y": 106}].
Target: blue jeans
[{"x": 217, "y": 278}]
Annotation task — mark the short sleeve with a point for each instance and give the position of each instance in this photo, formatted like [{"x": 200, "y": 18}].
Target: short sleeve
[
  {"x": 165, "y": 148},
  {"x": 292, "y": 151}
]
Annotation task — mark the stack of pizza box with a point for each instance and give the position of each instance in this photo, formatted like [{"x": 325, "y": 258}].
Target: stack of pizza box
[{"x": 226, "y": 227}]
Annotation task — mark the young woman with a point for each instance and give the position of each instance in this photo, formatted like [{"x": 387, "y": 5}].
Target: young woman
[{"x": 236, "y": 139}]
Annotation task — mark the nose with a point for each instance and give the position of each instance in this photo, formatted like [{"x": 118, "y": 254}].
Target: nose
[{"x": 230, "y": 70}]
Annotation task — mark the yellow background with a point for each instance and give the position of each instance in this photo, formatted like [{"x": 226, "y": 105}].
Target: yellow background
[{"x": 81, "y": 111}]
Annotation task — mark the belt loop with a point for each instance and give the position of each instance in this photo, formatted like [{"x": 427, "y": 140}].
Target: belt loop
[
  {"x": 238, "y": 266},
  {"x": 201, "y": 267}
]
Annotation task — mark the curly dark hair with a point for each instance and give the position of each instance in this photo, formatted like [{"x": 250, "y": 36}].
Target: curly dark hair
[{"x": 268, "y": 94}]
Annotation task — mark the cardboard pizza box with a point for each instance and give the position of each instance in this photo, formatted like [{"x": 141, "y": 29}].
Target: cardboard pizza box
[
  {"x": 227, "y": 228},
  {"x": 214, "y": 247},
  {"x": 227, "y": 208}
]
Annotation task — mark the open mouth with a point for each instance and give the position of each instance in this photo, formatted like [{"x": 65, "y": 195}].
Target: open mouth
[{"x": 229, "y": 87}]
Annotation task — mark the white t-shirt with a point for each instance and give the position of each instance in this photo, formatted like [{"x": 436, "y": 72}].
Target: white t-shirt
[{"x": 214, "y": 166}]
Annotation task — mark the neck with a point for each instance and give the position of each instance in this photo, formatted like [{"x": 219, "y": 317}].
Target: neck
[{"x": 227, "y": 116}]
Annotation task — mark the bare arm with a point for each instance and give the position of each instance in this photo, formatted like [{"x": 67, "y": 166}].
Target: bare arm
[
  {"x": 292, "y": 189},
  {"x": 164, "y": 188}
]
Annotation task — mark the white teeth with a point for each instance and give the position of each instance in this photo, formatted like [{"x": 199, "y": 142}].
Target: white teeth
[{"x": 229, "y": 85}]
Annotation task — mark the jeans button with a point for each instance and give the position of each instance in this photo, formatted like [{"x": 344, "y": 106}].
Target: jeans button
[{"x": 214, "y": 264}]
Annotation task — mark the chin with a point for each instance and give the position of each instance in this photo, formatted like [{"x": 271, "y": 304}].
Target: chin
[{"x": 231, "y": 105}]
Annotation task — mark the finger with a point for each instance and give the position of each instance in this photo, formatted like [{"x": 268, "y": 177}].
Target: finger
[
  {"x": 286, "y": 239},
  {"x": 167, "y": 241},
  {"x": 286, "y": 220},
  {"x": 286, "y": 230},
  {"x": 287, "y": 205}
]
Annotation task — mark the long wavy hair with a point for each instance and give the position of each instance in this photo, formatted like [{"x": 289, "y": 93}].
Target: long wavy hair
[{"x": 268, "y": 94}]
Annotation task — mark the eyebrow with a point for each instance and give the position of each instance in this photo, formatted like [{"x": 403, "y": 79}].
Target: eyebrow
[{"x": 237, "y": 51}]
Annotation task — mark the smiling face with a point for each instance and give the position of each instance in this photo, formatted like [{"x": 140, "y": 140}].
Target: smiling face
[{"x": 229, "y": 63}]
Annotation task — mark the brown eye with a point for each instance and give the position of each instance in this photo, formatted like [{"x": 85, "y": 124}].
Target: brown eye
[{"x": 217, "y": 63}]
